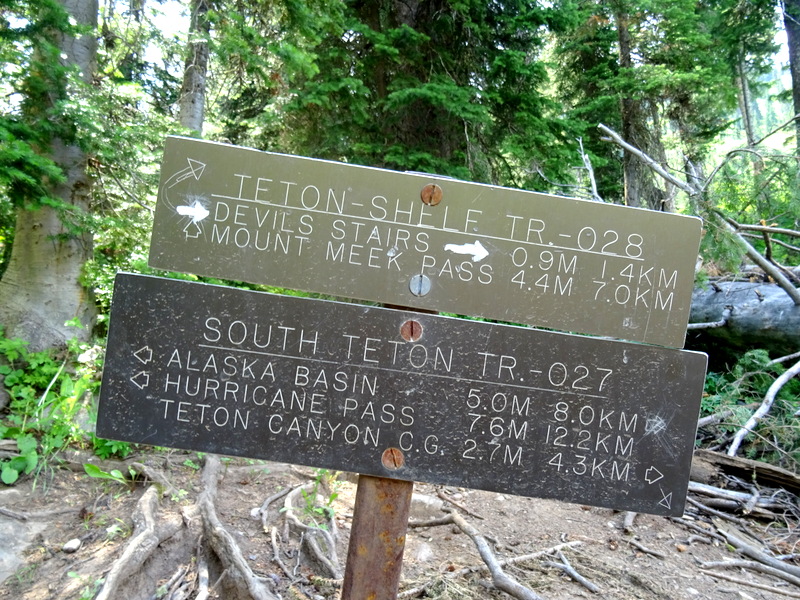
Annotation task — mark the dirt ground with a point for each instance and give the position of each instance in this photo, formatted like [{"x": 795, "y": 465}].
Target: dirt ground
[{"x": 659, "y": 558}]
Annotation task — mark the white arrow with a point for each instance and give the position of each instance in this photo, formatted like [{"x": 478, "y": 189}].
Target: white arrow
[
  {"x": 197, "y": 211},
  {"x": 195, "y": 169},
  {"x": 476, "y": 249},
  {"x": 192, "y": 230},
  {"x": 144, "y": 354},
  {"x": 652, "y": 475},
  {"x": 141, "y": 379}
]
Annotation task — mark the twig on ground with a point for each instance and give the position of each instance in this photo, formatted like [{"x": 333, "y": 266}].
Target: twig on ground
[
  {"x": 756, "y": 554},
  {"x": 755, "y": 566},
  {"x": 416, "y": 591},
  {"x": 758, "y": 586},
  {"x": 276, "y": 554},
  {"x": 569, "y": 570},
  {"x": 202, "y": 572},
  {"x": 499, "y": 578},
  {"x": 444, "y": 520},
  {"x": 645, "y": 549},
  {"x": 457, "y": 504}
]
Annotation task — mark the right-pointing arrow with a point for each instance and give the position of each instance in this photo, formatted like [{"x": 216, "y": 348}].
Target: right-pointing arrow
[
  {"x": 141, "y": 379},
  {"x": 652, "y": 475}
]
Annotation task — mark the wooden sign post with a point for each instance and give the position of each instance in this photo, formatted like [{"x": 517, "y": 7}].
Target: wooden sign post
[{"x": 401, "y": 396}]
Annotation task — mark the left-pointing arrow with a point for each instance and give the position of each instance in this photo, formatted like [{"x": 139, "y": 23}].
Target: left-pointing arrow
[
  {"x": 141, "y": 379},
  {"x": 144, "y": 354}
]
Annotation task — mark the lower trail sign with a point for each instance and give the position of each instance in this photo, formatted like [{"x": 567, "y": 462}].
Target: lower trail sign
[{"x": 400, "y": 395}]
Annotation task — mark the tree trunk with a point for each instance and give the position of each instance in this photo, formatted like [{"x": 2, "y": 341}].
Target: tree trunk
[
  {"x": 762, "y": 316},
  {"x": 745, "y": 102},
  {"x": 191, "y": 111},
  {"x": 791, "y": 21},
  {"x": 41, "y": 287}
]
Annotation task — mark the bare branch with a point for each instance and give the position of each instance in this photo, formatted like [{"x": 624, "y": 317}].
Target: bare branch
[
  {"x": 765, "y": 407},
  {"x": 499, "y": 578},
  {"x": 615, "y": 137}
]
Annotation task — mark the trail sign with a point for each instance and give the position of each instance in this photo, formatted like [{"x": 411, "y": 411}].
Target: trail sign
[
  {"x": 400, "y": 394},
  {"x": 425, "y": 242}
]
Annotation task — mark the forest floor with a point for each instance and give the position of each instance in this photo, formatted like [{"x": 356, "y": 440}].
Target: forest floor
[{"x": 654, "y": 558}]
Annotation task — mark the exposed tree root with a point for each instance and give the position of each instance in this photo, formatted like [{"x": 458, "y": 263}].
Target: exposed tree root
[
  {"x": 328, "y": 558},
  {"x": 222, "y": 542},
  {"x": 148, "y": 534}
]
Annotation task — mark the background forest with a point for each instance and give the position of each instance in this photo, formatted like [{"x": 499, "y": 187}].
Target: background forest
[{"x": 509, "y": 93}]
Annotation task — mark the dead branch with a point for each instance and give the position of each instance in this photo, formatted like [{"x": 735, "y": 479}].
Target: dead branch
[
  {"x": 755, "y": 566},
  {"x": 752, "y": 584},
  {"x": 587, "y": 164},
  {"x": 499, "y": 578},
  {"x": 695, "y": 527},
  {"x": 572, "y": 573},
  {"x": 444, "y": 520},
  {"x": 693, "y": 192},
  {"x": 726, "y": 314},
  {"x": 783, "y": 359},
  {"x": 613, "y": 136},
  {"x": 416, "y": 591},
  {"x": 756, "y": 554},
  {"x": 276, "y": 556},
  {"x": 764, "y": 229},
  {"x": 457, "y": 504},
  {"x": 222, "y": 542},
  {"x": 645, "y": 549},
  {"x": 765, "y": 407},
  {"x": 774, "y": 241},
  {"x": 146, "y": 538}
]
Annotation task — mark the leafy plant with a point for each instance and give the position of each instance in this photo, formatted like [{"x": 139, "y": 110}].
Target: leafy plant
[
  {"x": 47, "y": 393},
  {"x": 777, "y": 438},
  {"x": 98, "y": 473},
  {"x": 325, "y": 480}
]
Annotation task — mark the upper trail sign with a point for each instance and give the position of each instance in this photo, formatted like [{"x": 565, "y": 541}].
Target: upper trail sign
[{"x": 425, "y": 242}]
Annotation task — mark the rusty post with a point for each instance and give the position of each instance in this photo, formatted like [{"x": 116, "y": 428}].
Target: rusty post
[{"x": 377, "y": 538}]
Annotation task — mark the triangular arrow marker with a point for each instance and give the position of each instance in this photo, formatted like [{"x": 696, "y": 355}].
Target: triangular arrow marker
[
  {"x": 141, "y": 379},
  {"x": 144, "y": 354},
  {"x": 652, "y": 475}
]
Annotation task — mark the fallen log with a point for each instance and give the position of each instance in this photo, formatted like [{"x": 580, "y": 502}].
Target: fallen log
[
  {"x": 754, "y": 471},
  {"x": 761, "y": 315}
]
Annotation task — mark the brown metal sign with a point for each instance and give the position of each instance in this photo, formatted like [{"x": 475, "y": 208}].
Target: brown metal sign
[
  {"x": 400, "y": 394},
  {"x": 424, "y": 242}
]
